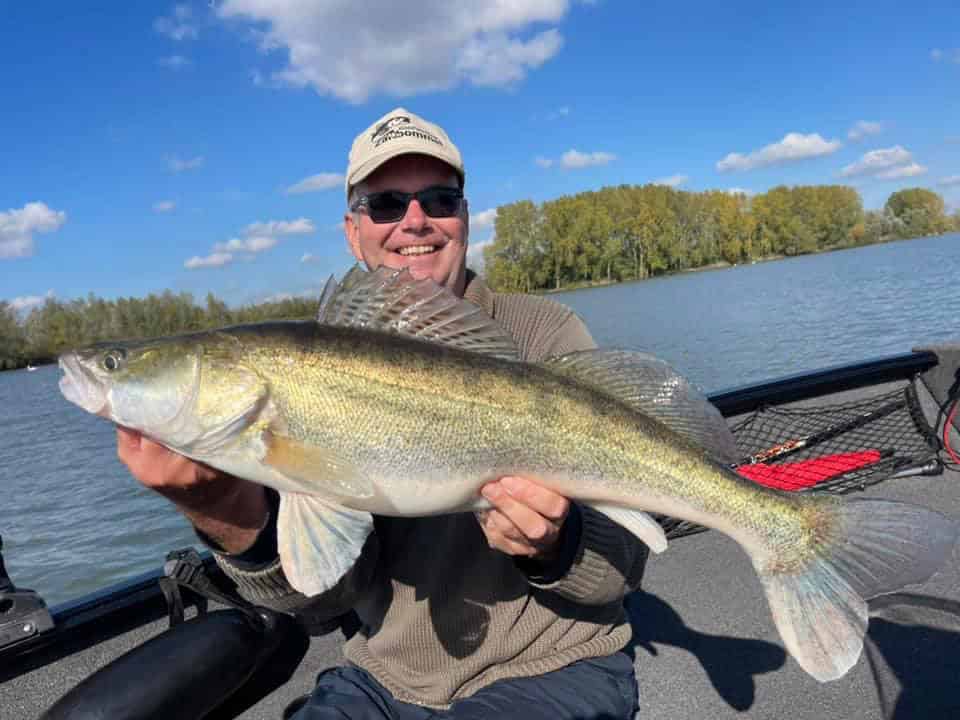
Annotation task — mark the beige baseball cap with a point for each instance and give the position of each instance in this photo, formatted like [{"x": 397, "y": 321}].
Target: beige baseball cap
[{"x": 399, "y": 132}]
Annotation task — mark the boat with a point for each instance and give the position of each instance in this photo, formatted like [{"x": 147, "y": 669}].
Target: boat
[
  {"x": 30, "y": 368},
  {"x": 173, "y": 643}
]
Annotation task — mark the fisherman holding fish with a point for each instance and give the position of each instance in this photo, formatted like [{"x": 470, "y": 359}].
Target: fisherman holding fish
[
  {"x": 517, "y": 615},
  {"x": 419, "y": 400}
]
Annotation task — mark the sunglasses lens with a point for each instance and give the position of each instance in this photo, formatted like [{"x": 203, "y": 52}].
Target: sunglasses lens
[
  {"x": 440, "y": 202},
  {"x": 386, "y": 206},
  {"x": 391, "y": 206}
]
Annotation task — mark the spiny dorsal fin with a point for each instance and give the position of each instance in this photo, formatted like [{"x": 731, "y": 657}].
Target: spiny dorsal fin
[
  {"x": 393, "y": 301},
  {"x": 652, "y": 387}
]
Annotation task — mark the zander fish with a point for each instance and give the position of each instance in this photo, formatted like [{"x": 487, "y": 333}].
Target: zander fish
[{"x": 403, "y": 400}]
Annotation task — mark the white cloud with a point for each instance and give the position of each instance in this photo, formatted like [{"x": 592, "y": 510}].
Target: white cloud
[
  {"x": 255, "y": 238},
  {"x": 175, "y": 62},
  {"x": 793, "y": 147},
  {"x": 949, "y": 181},
  {"x": 251, "y": 244},
  {"x": 496, "y": 59},
  {"x": 573, "y": 159},
  {"x": 217, "y": 259},
  {"x": 309, "y": 258},
  {"x": 863, "y": 129},
  {"x": 300, "y": 226},
  {"x": 25, "y": 303},
  {"x": 17, "y": 228},
  {"x": 878, "y": 161},
  {"x": 905, "y": 171},
  {"x": 475, "y": 253},
  {"x": 949, "y": 55},
  {"x": 315, "y": 183},
  {"x": 483, "y": 219},
  {"x": 177, "y": 25},
  {"x": 353, "y": 50},
  {"x": 164, "y": 206},
  {"x": 178, "y": 165},
  {"x": 672, "y": 181},
  {"x": 543, "y": 162}
]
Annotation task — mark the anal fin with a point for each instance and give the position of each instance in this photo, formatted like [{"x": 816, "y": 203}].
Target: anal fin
[{"x": 637, "y": 522}]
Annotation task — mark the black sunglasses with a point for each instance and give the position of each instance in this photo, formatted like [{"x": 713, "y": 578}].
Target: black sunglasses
[{"x": 391, "y": 205}]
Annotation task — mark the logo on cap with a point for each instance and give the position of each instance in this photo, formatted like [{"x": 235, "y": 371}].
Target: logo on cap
[
  {"x": 401, "y": 126},
  {"x": 389, "y": 124}
]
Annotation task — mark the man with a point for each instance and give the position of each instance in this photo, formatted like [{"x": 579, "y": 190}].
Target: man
[{"x": 517, "y": 615}]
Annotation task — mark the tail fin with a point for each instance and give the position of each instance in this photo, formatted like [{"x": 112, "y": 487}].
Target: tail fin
[{"x": 880, "y": 547}]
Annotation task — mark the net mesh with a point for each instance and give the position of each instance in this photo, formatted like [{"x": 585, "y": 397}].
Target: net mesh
[{"x": 834, "y": 448}]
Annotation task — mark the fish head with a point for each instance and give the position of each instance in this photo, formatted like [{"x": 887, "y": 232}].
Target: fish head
[
  {"x": 146, "y": 386},
  {"x": 192, "y": 393}
]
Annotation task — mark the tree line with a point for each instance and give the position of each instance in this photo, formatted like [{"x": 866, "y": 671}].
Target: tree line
[
  {"x": 633, "y": 232},
  {"x": 56, "y": 326}
]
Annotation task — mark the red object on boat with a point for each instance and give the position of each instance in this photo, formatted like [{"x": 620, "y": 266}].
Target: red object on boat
[{"x": 807, "y": 473}]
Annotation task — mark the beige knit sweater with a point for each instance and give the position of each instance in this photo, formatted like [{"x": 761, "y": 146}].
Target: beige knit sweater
[{"x": 442, "y": 613}]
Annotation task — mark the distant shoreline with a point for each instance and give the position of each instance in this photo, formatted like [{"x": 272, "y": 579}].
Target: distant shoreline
[{"x": 722, "y": 265}]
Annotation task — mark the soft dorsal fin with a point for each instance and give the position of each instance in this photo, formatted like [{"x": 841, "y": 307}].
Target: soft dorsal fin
[
  {"x": 653, "y": 387},
  {"x": 393, "y": 301}
]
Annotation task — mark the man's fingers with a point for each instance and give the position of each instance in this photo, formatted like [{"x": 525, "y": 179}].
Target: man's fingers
[
  {"x": 503, "y": 535},
  {"x": 500, "y": 525},
  {"x": 545, "y": 502},
  {"x": 529, "y": 525}
]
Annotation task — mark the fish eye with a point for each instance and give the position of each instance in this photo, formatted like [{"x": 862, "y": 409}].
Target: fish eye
[{"x": 113, "y": 359}]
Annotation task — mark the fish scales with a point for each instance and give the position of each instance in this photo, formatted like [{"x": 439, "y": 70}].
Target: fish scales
[{"x": 408, "y": 404}]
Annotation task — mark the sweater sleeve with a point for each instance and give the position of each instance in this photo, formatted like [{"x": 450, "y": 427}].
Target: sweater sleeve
[
  {"x": 260, "y": 578},
  {"x": 268, "y": 586},
  {"x": 608, "y": 563}
]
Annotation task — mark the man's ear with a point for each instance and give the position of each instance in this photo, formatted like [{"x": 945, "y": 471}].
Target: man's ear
[{"x": 352, "y": 232}]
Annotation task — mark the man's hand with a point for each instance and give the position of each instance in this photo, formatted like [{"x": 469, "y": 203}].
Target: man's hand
[
  {"x": 526, "y": 518},
  {"x": 229, "y": 510}
]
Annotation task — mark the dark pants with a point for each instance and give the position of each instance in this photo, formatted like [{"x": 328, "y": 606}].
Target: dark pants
[{"x": 600, "y": 689}]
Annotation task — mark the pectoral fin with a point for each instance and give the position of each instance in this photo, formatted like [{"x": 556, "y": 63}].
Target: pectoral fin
[
  {"x": 314, "y": 469},
  {"x": 318, "y": 541}
]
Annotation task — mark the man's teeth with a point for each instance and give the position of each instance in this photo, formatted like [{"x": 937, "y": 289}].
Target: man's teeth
[{"x": 416, "y": 250}]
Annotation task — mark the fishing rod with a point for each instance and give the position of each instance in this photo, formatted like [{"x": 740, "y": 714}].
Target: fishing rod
[{"x": 790, "y": 447}]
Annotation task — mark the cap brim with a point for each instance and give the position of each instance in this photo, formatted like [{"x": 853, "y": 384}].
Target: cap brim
[{"x": 366, "y": 169}]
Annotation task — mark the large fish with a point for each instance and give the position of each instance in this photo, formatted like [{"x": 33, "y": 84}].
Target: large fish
[{"x": 403, "y": 400}]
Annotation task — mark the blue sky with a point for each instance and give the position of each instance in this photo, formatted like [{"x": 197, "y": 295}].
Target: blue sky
[{"x": 139, "y": 140}]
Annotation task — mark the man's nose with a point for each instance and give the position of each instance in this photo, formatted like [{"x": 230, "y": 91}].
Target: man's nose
[{"x": 415, "y": 218}]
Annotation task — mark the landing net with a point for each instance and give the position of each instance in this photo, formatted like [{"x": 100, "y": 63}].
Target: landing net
[{"x": 831, "y": 448}]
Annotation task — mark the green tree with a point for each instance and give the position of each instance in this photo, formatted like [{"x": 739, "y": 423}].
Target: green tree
[{"x": 919, "y": 211}]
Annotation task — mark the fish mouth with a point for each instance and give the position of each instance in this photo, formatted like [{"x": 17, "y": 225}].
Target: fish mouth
[{"x": 81, "y": 387}]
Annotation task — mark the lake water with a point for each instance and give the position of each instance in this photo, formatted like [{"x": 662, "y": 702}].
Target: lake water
[{"x": 73, "y": 520}]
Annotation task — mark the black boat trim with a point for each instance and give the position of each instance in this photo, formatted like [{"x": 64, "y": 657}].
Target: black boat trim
[{"x": 792, "y": 388}]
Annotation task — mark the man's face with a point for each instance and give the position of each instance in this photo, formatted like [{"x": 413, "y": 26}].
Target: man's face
[{"x": 401, "y": 244}]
